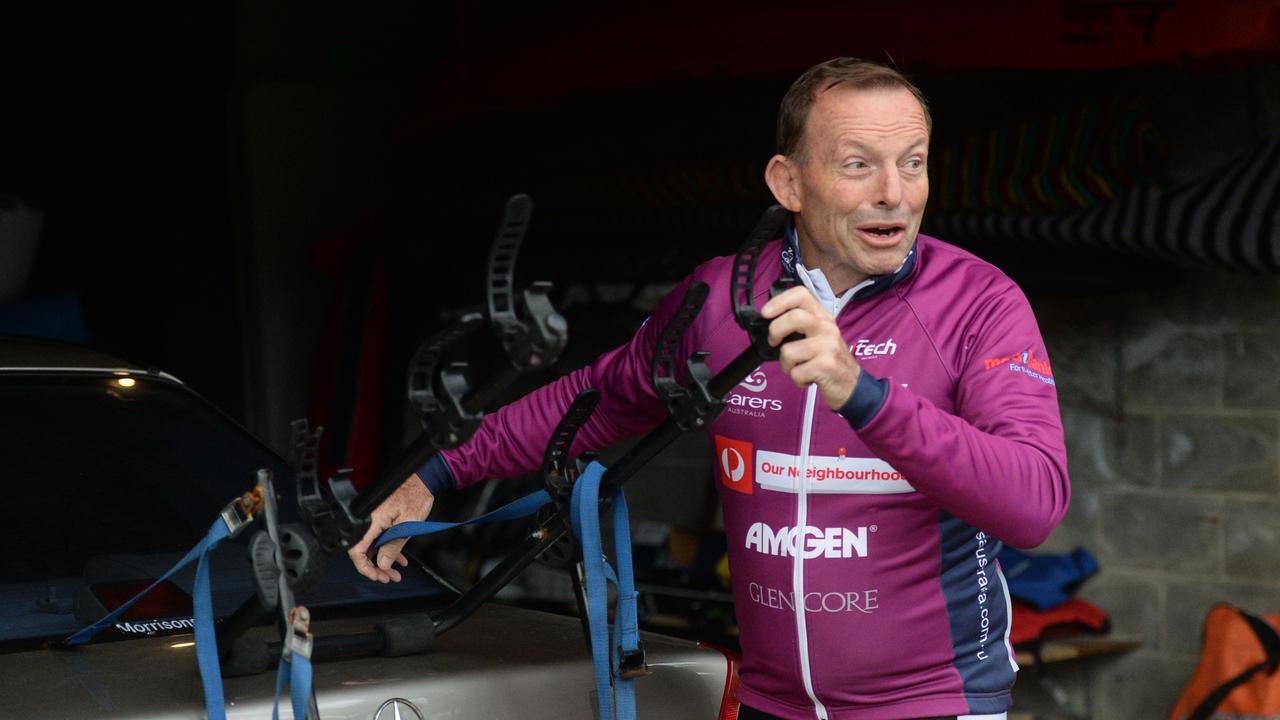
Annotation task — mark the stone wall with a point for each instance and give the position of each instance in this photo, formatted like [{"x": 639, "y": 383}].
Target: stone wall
[{"x": 1171, "y": 404}]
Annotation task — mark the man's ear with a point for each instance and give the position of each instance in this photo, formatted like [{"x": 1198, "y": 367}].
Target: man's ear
[{"x": 780, "y": 176}]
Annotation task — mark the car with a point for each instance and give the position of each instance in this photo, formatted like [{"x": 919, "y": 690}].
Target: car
[{"x": 114, "y": 470}]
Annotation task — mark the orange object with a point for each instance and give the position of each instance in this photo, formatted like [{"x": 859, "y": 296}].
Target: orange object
[{"x": 1236, "y": 676}]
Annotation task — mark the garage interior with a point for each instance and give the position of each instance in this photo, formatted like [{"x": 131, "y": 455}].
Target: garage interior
[{"x": 278, "y": 203}]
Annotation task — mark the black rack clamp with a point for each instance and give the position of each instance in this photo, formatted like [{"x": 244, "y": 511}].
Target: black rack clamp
[
  {"x": 691, "y": 406},
  {"x": 559, "y": 473},
  {"x": 559, "y": 470},
  {"x": 532, "y": 334},
  {"x": 439, "y": 396},
  {"x": 324, "y": 505},
  {"x": 742, "y": 289}
]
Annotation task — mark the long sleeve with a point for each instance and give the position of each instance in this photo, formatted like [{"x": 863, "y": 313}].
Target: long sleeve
[{"x": 999, "y": 463}]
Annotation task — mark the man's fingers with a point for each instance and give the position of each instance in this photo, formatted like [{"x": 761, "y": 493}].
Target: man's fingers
[
  {"x": 359, "y": 553},
  {"x": 808, "y": 361},
  {"x": 798, "y": 320},
  {"x": 362, "y": 563},
  {"x": 388, "y": 554},
  {"x": 411, "y": 501},
  {"x": 797, "y": 296},
  {"x": 799, "y": 351}
]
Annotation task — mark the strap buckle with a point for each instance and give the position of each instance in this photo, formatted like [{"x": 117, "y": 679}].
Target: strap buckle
[
  {"x": 631, "y": 664},
  {"x": 298, "y": 641},
  {"x": 241, "y": 511}
]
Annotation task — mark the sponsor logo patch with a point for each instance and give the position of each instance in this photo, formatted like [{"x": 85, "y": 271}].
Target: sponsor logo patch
[
  {"x": 752, "y": 405},
  {"x": 757, "y": 381},
  {"x": 1025, "y": 363},
  {"x": 740, "y": 404},
  {"x": 828, "y": 474},
  {"x": 734, "y": 461},
  {"x": 866, "y": 349},
  {"x": 835, "y": 542},
  {"x": 863, "y": 601}
]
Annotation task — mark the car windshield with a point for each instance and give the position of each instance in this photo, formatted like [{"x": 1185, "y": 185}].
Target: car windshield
[{"x": 110, "y": 480}]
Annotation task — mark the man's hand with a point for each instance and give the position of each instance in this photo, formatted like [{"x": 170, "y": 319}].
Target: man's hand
[
  {"x": 411, "y": 501},
  {"x": 822, "y": 357}
]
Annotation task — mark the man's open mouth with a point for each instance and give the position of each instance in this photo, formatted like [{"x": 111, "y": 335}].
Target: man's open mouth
[{"x": 883, "y": 231}]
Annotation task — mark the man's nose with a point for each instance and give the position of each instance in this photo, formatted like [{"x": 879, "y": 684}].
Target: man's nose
[{"x": 889, "y": 191}]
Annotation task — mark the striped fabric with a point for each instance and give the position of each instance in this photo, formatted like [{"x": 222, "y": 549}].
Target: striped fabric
[{"x": 1230, "y": 218}]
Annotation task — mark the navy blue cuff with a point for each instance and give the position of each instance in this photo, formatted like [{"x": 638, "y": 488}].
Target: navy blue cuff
[
  {"x": 437, "y": 476},
  {"x": 867, "y": 399}
]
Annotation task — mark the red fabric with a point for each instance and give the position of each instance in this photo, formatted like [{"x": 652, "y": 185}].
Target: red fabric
[{"x": 1073, "y": 617}]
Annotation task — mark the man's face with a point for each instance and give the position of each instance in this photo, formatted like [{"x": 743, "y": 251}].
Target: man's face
[{"x": 860, "y": 188}]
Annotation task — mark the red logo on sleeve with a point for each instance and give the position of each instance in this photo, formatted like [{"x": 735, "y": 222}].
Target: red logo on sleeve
[
  {"x": 735, "y": 462},
  {"x": 1024, "y": 362}
]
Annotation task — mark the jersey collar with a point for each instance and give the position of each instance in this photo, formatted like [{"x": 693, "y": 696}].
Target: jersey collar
[{"x": 817, "y": 283}]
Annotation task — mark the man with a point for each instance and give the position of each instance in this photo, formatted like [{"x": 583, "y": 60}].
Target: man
[{"x": 869, "y": 477}]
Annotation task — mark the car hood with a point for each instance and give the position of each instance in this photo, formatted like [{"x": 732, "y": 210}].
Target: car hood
[{"x": 502, "y": 662}]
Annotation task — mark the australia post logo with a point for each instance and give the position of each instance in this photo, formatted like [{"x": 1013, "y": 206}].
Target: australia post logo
[
  {"x": 734, "y": 459},
  {"x": 1025, "y": 363}
]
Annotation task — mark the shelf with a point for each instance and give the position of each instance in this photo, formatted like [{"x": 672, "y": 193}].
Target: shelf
[{"x": 1074, "y": 648}]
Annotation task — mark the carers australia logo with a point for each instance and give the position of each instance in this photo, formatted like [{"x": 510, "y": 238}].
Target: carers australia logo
[
  {"x": 756, "y": 382},
  {"x": 753, "y": 405}
]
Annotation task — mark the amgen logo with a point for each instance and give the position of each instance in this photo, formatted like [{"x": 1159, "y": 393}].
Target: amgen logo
[{"x": 811, "y": 542}]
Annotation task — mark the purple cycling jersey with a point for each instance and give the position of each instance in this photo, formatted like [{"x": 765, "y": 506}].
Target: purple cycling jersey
[{"x": 863, "y": 561}]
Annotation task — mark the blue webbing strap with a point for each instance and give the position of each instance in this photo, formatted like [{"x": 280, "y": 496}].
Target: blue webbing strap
[
  {"x": 206, "y": 638},
  {"x": 299, "y": 674},
  {"x": 613, "y": 692},
  {"x": 202, "y": 610},
  {"x": 527, "y": 505},
  {"x": 298, "y": 677}
]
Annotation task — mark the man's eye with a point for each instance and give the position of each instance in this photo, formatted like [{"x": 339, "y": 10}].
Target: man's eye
[
  {"x": 915, "y": 163},
  {"x": 855, "y": 165}
]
